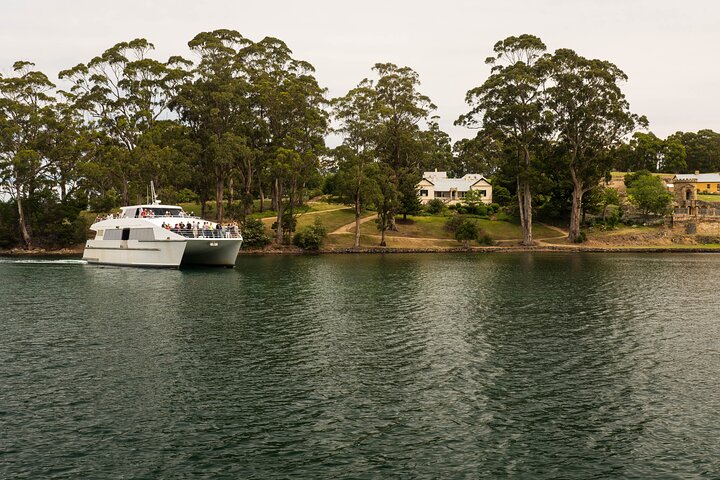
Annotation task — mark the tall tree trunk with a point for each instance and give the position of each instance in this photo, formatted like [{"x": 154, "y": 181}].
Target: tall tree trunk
[
  {"x": 382, "y": 232},
  {"x": 575, "y": 214},
  {"x": 525, "y": 210},
  {"x": 22, "y": 223},
  {"x": 357, "y": 221},
  {"x": 575, "y": 210},
  {"x": 231, "y": 196},
  {"x": 219, "y": 190},
  {"x": 262, "y": 195},
  {"x": 125, "y": 192},
  {"x": 277, "y": 198}
]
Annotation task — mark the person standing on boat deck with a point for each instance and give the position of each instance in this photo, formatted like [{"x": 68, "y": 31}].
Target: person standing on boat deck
[{"x": 194, "y": 229}]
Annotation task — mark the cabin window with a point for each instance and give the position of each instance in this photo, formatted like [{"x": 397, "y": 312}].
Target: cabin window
[
  {"x": 125, "y": 234},
  {"x": 483, "y": 193},
  {"x": 424, "y": 193},
  {"x": 141, "y": 234},
  {"x": 112, "y": 235}
]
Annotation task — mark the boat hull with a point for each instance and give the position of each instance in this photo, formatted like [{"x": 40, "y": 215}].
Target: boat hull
[
  {"x": 136, "y": 253},
  {"x": 214, "y": 252}
]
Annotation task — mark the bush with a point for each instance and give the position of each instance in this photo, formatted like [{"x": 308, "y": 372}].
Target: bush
[
  {"x": 482, "y": 210},
  {"x": 501, "y": 195},
  {"x": 435, "y": 206},
  {"x": 466, "y": 231},
  {"x": 494, "y": 208},
  {"x": 582, "y": 238},
  {"x": 253, "y": 232},
  {"x": 485, "y": 239},
  {"x": 311, "y": 237},
  {"x": 452, "y": 223}
]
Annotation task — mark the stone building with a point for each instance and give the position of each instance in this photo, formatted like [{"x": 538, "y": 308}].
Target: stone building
[{"x": 689, "y": 213}]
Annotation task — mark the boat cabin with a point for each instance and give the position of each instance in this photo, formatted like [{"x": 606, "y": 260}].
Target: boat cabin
[{"x": 152, "y": 211}]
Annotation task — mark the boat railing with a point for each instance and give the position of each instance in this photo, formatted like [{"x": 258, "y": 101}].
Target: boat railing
[{"x": 207, "y": 233}]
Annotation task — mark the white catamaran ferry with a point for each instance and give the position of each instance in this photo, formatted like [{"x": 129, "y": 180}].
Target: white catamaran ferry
[{"x": 156, "y": 235}]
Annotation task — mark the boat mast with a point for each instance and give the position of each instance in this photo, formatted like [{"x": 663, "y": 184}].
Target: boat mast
[{"x": 155, "y": 200}]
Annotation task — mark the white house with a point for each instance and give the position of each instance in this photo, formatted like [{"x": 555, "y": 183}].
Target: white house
[{"x": 452, "y": 190}]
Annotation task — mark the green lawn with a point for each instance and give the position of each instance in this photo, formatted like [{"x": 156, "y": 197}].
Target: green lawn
[
  {"x": 706, "y": 197},
  {"x": 331, "y": 220},
  {"x": 434, "y": 227}
]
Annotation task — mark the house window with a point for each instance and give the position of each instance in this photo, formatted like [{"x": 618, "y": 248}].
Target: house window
[
  {"x": 423, "y": 193},
  {"x": 483, "y": 193},
  {"x": 461, "y": 194},
  {"x": 708, "y": 186}
]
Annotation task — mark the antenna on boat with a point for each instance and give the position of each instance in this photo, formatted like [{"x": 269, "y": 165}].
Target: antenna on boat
[{"x": 155, "y": 200}]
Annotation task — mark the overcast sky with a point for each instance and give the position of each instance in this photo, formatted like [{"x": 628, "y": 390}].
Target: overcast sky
[{"x": 669, "y": 49}]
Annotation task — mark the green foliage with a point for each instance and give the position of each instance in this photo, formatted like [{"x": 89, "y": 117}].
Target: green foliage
[
  {"x": 185, "y": 195},
  {"x": 649, "y": 195},
  {"x": 466, "y": 231},
  {"x": 501, "y": 195},
  {"x": 580, "y": 238},
  {"x": 453, "y": 222},
  {"x": 289, "y": 224},
  {"x": 631, "y": 178},
  {"x": 253, "y": 232},
  {"x": 485, "y": 239},
  {"x": 510, "y": 107},
  {"x": 311, "y": 237},
  {"x": 435, "y": 206}
]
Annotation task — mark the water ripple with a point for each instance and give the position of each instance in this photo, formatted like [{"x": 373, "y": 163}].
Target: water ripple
[{"x": 534, "y": 366}]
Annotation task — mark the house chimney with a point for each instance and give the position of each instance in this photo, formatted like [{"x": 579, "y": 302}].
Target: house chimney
[{"x": 697, "y": 172}]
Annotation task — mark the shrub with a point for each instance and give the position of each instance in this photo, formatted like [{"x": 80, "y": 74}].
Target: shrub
[
  {"x": 494, "y": 207},
  {"x": 485, "y": 239},
  {"x": 253, "y": 232},
  {"x": 435, "y": 206},
  {"x": 311, "y": 237},
  {"x": 452, "y": 223},
  {"x": 582, "y": 238},
  {"x": 466, "y": 231},
  {"x": 501, "y": 195},
  {"x": 482, "y": 210}
]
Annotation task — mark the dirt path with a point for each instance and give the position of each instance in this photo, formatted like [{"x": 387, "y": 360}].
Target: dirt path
[
  {"x": 350, "y": 226},
  {"x": 313, "y": 212}
]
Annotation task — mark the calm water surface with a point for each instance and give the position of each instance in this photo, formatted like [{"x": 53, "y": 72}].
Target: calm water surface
[{"x": 412, "y": 366}]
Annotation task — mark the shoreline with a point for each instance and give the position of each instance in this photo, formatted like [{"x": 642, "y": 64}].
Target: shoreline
[{"x": 78, "y": 250}]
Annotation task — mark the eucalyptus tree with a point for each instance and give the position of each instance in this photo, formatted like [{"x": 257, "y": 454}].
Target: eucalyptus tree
[
  {"x": 401, "y": 143},
  {"x": 386, "y": 198},
  {"x": 70, "y": 147},
  {"x": 510, "y": 105},
  {"x": 481, "y": 154},
  {"x": 26, "y": 110},
  {"x": 358, "y": 120},
  {"x": 124, "y": 93},
  {"x": 590, "y": 117},
  {"x": 702, "y": 149},
  {"x": 215, "y": 107},
  {"x": 289, "y": 118}
]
